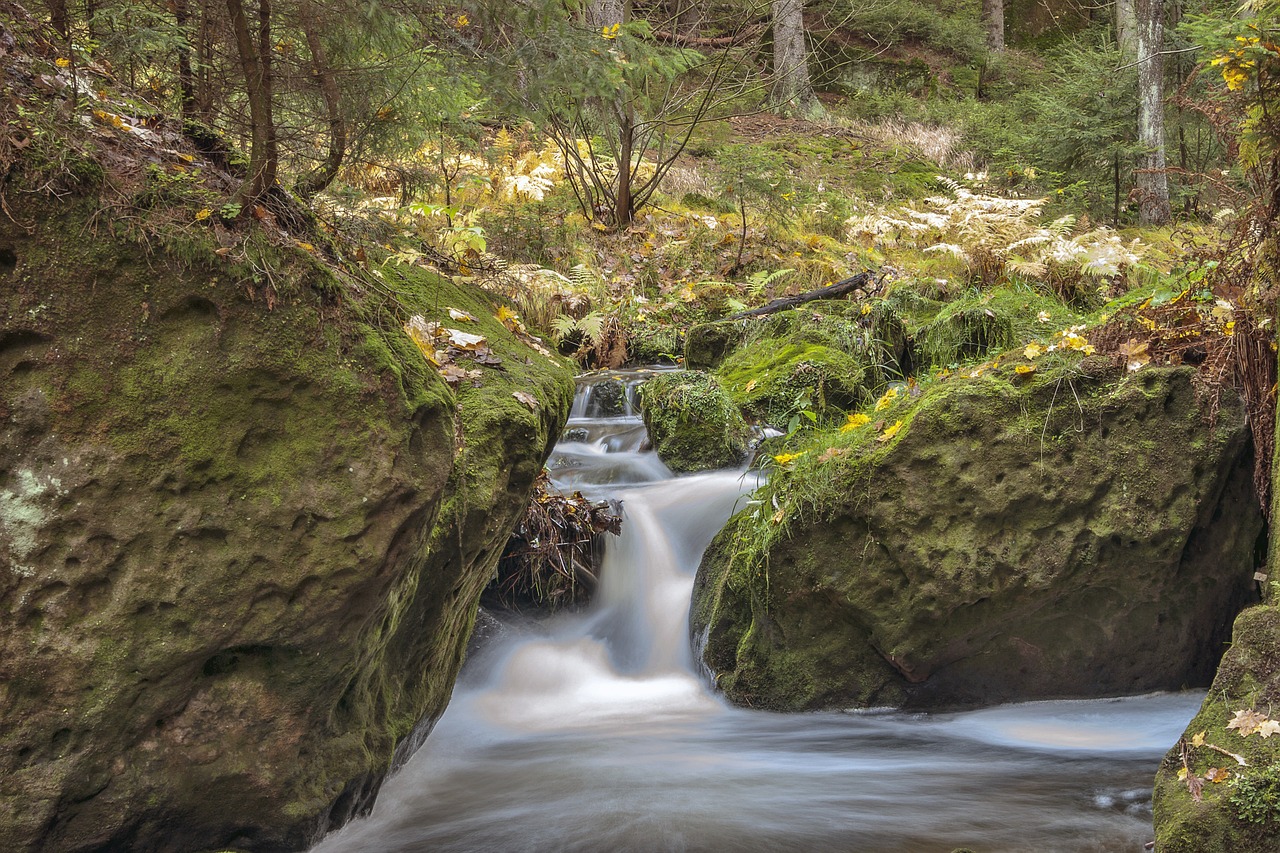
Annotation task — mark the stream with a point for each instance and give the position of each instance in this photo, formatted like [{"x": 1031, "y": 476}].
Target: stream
[{"x": 594, "y": 731}]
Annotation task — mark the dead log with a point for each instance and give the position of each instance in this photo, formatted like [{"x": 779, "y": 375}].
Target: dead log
[{"x": 831, "y": 291}]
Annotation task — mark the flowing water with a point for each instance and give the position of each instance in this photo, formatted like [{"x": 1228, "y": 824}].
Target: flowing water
[{"x": 594, "y": 731}]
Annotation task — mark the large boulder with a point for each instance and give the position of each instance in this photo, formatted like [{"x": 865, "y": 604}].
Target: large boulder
[
  {"x": 243, "y": 531},
  {"x": 1234, "y": 808},
  {"x": 1073, "y": 534}
]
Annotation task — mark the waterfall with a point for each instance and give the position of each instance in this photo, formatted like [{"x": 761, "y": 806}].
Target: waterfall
[{"x": 593, "y": 731}]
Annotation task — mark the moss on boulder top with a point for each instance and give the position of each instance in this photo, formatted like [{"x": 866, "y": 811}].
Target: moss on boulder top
[
  {"x": 692, "y": 422},
  {"x": 1242, "y": 813},
  {"x": 1076, "y": 533},
  {"x": 242, "y": 543}
]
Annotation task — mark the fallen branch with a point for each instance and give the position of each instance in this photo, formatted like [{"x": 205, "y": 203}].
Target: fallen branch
[
  {"x": 698, "y": 41},
  {"x": 831, "y": 291}
]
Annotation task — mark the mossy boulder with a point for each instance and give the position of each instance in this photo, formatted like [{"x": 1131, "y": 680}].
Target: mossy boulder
[
  {"x": 1242, "y": 814},
  {"x": 1078, "y": 533},
  {"x": 692, "y": 422},
  {"x": 871, "y": 332},
  {"x": 243, "y": 532},
  {"x": 772, "y": 380}
]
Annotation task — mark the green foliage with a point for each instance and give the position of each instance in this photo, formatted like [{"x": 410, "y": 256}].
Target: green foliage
[{"x": 1255, "y": 795}]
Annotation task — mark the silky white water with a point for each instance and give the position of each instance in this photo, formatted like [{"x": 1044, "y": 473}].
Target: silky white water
[{"x": 594, "y": 732}]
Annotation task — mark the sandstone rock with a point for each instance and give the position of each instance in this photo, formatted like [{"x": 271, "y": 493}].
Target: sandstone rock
[
  {"x": 1076, "y": 534},
  {"x": 242, "y": 539}
]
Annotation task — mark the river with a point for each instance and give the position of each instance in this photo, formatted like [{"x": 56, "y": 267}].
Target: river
[{"x": 595, "y": 731}]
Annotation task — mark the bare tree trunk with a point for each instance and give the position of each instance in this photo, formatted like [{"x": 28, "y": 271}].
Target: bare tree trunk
[
  {"x": 623, "y": 205},
  {"x": 791, "y": 87},
  {"x": 256, "y": 65},
  {"x": 688, "y": 19},
  {"x": 1153, "y": 182},
  {"x": 324, "y": 174},
  {"x": 1127, "y": 29},
  {"x": 993, "y": 23}
]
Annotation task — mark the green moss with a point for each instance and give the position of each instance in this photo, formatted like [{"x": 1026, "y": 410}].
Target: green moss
[{"x": 692, "y": 422}]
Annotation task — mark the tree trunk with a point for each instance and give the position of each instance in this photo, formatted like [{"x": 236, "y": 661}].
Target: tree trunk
[
  {"x": 1127, "y": 29},
  {"x": 255, "y": 63},
  {"x": 993, "y": 23},
  {"x": 1153, "y": 182},
  {"x": 324, "y": 174},
  {"x": 791, "y": 87},
  {"x": 623, "y": 205},
  {"x": 606, "y": 13},
  {"x": 186, "y": 74},
  {"x": 688, "y": 19}
]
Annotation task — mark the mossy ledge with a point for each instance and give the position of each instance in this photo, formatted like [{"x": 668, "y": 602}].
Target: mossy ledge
[{"x": 241, "y": 547}]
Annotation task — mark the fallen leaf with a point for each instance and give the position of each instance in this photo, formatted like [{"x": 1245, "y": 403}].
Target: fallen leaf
[
  {"x": 854, "y": 421},
  {"x": 460, "y": 316},
  {"x": 1269, "y": 728},
  {"x": 1025, "y": 369},
  {"x": 1247, "y": 722},
  {"x": 1033, "y": 351},
  {"x": 890, "y": 431},
  {"x": 886, "y": 399},
  {"x": 526, "y": 398},
  {"x": 1198, "y": 739},
  {"x": 832, "y": 453},
  {"x": 751, "y": 386},
  {"x": 787, "y": 458},
  {"x": 1217, "y": 774}
]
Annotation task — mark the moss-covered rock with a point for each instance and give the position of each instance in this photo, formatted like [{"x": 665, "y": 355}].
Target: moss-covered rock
[
  {"x": 243, "y": 533},
  {"x": 1242, "y": 814},
  {"x": 1077, "y": 533},
  {"x": 772, "y": 380},
  {"x": 692, "y": 422}
]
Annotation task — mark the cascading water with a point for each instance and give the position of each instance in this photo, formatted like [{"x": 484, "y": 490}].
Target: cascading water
[{"x": 592, "y": 731}]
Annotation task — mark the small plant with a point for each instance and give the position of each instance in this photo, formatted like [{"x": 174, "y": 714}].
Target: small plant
[{"x": 1255, "y": 796}]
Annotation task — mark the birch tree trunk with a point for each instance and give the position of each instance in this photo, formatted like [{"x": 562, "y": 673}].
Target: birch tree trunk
[
  {"x": 993, "y": 23},
  {"x": 1153, "y": 183},
  {"x": 791, "y": 87}
]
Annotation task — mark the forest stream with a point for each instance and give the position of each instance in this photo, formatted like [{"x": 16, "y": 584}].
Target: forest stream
[{"x": 595, "y": 730}]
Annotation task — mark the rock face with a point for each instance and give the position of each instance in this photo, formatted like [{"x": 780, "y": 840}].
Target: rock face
[
  {"x": 1076, "y": 534},
  {"x": 1243, "y": 815},
  {"x": 241, "y": 544},
  {"x": 692, "y": 422}
]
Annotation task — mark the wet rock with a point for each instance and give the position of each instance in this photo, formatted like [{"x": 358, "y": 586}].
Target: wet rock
[{"x": 692, "y": 422}]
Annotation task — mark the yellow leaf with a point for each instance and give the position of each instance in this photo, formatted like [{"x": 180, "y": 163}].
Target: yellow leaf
[
  {"x": 855, "y": 421},
  {"x": 1197, "y": 739},
  {"x": 1230, "y": 328},
  {"x": 890, "y": 431},
  {"x": 787, "y": 458},
  {"x": 751, "y": 386},
  {"x": 1217, "y": 774},
  {"x": 203, "y": 214},
  {"x": 306, "y": 247},
  {"x": 866, "y": 309},
  {"x": 886, "y": 399},
  {"x": 1033, "y": 351},
  {"x": 461, "y": 316},
  {"x": 62, "y": 62},
  {"x": 779, "y": 515},
  {"x": 186, "y": 158},
  {"x": 1182, "y": 774},
  {"x": 461, "y": 21},
  {"x": 1025, "y": 369}
]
